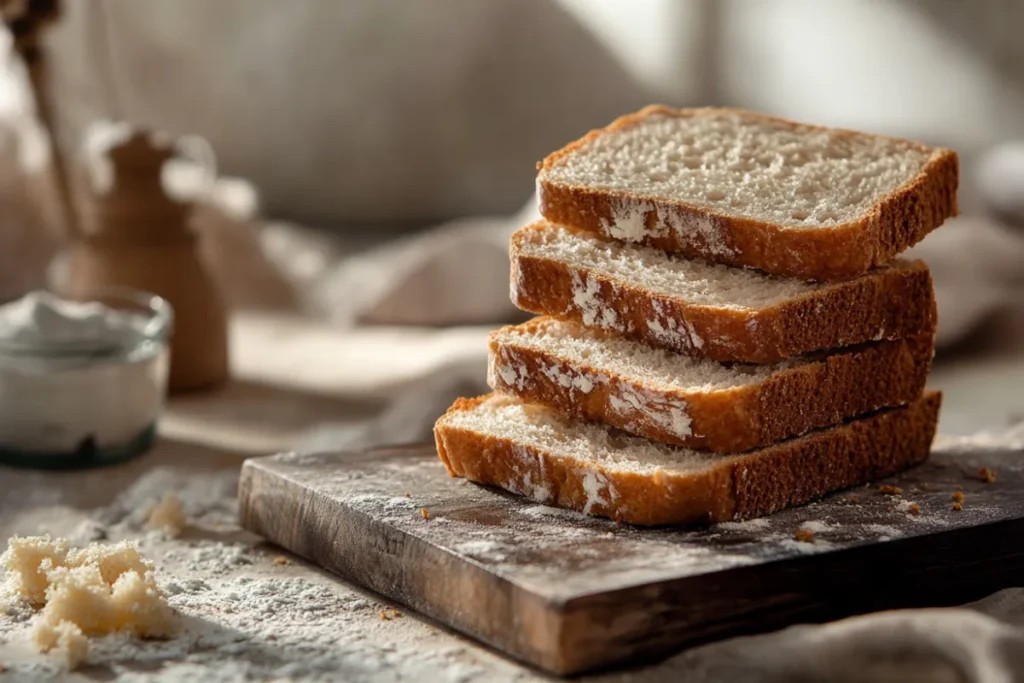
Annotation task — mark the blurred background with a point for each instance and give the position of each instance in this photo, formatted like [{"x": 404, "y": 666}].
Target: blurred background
[{"x": 375, "y": 155}]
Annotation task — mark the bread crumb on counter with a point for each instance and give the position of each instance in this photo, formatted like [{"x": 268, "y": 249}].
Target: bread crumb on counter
[
  {"x": 957, "y": 506},
  {"x": 168, "y": 515},
  {"x": 889, "y": 490},
  {"x": 389, "y": 613},
  {"x": 986, "y": 475},
  {"x": 425, "y": 513},
  {"x": 92, "y": 591},
  {"x": 958, "y": 496}
]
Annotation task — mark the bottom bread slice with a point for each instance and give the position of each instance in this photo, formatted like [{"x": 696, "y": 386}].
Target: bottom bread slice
[{"x": 536, "y": 452}]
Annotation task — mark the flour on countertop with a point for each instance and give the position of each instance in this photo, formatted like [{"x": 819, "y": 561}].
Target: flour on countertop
[{"x": 245, "y": 617}]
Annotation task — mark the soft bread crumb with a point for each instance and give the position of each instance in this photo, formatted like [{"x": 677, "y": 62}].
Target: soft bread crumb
[
  {"x": 889, "y": 490},
  {"x": 986, "y": 475},
  {"x": 66, "y": 638},
  {"x": 93, "y": 591},
  {"x": 168, "y": 515},
  {"x": 24, "y": 560},
  {"x": 958, "y": 496}
]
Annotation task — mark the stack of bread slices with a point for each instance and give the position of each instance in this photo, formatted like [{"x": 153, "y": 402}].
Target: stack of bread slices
[{"x": 725, "y": 327}]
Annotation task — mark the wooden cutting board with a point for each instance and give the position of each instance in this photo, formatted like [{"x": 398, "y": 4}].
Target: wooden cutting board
[{"x": 570, "y": 594}]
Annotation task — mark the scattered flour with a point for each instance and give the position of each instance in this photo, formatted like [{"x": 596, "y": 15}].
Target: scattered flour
[
  {"x": 884, "y": 531},
  {"x": 242, "y": 617},
  {"x": 586, "y": 297},
  {"x": 747, "y": 525},
  {"x": 544, "y": 511},
  {"x": 817, "y": 527},
  {"x": 595, "y": 484},
  {"x": 629, "y": 221}
]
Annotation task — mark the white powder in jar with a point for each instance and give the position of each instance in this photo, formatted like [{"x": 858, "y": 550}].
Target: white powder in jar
[{"x": 76, "y": 375}]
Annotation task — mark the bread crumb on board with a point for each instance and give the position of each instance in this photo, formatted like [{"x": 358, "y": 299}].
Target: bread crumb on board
[
  {"x": 168, "y": 515},
  {"x": 986, "y": 475},
  {"x": 958, "y": 496},
  {"x": 425, "y": 513},
  {"x": 889, "y": 490},
  {"x": 280, "y": 559},
  {"x": 804, "y": 535},
  {"x": 908, "y": 506},
  {"x": 92, "y": 591},
  {"x": 389, "y": 613},
  {"x": 957, "y": 506}
]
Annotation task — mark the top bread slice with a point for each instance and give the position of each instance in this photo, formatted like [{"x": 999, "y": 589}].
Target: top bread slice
[
  {"x": 712, "y": 311},
  {"x": 746, "y": 189}
]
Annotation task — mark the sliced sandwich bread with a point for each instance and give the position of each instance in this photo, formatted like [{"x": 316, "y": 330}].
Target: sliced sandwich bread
[
  {"x": 745, "y": 189},
  {"x": 717, "y": 312},
  {"x": 687, "y": 401},
  {"x": 536, "y": 452}
]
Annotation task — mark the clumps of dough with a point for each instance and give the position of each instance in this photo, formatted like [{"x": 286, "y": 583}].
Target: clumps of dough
[
  {"x": 92, "y": 591},
  {"x": 168, "y": 515}
]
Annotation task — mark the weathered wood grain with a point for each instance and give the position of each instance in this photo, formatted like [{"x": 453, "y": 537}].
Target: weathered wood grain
[{"x": 569, "y": 594}]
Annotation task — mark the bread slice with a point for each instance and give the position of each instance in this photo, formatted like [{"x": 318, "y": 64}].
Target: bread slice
[
  {"x": 745, "y": 189},
  {"x": 534, "y": 451},
  {"x": 717, "y": 312},
  {"x": 687, "y": 401}
]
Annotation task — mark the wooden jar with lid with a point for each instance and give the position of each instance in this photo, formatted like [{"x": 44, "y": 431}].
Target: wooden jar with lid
[{"x": 134, "y": 234}]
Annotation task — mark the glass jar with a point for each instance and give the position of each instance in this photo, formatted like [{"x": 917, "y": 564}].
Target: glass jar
[{"x": 75, "y": 402}]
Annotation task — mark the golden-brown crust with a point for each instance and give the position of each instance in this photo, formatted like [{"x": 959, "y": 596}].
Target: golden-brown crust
[
  {"x": 789, "y": 402},
  {"x": 892, "y": 302},
  {"x": 899, "y": 221},
  {"x": 739, "y": 487}
]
